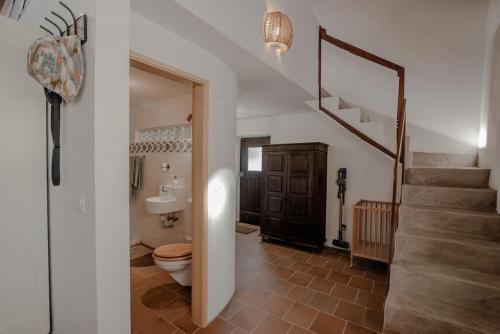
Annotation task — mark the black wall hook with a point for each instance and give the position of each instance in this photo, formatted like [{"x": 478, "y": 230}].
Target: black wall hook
[
  {"x": 62, "y": 19},
  {"x": 55, "y": 25}
]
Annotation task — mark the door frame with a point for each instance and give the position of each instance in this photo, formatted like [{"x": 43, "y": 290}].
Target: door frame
[
  {"x": 262, "y": 140},
  {"x": 200, "y": 177}
]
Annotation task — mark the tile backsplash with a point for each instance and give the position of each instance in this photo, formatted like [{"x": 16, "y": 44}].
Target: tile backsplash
[{"x": 180, "y": 145}]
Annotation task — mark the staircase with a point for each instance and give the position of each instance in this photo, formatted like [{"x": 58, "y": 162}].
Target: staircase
[{"x": 445, "y": 275}]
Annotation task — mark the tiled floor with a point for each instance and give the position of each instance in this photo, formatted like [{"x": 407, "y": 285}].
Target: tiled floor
[{"x": 278, "y": 290}]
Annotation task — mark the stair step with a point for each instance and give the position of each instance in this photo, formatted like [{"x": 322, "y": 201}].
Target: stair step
[
  {"x": 454, "y": 249},
  {"x": 450, "y": 197},
  {"x": 422, "y": 159},
  {"x": 469, "y": 223},
  {"x": 465, "y": 177},
  {"x": 410, "y": 314},
  {"x": 437, "y": 280}
]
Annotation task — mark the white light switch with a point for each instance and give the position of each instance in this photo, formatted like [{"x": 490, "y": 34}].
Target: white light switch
[{"x": 82, "y": 204}]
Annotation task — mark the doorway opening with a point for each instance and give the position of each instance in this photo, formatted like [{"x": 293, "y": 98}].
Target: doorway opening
[
  {"x": 251, "y": 178},
  {"x": 168, "y": 173}
]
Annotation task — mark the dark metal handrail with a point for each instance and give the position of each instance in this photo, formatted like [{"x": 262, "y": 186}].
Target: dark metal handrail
[{"x": 399, "y": 155}]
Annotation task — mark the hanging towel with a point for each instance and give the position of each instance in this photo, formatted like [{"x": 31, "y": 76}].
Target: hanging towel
[
  {"x": 57, "y": 64},
  {"x": 135, "y": 170}
]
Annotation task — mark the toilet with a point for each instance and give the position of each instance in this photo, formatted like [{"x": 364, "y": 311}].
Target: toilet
[{"x": 176, "y": 260}]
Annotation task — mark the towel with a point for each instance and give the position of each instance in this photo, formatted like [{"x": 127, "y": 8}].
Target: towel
[{"x": 135, "y": 171}]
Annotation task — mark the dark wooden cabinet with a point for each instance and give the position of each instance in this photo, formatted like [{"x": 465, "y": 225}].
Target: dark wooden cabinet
[{"x": 294, "y": 193}]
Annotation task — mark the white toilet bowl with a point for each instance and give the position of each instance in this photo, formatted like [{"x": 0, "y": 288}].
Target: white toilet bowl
[{"x": 176, "y": 260}]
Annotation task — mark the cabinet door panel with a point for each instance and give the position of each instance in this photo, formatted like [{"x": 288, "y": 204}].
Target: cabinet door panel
[
  {"x": 300, "y": 227},
  {"x": 274, "y": 196}
]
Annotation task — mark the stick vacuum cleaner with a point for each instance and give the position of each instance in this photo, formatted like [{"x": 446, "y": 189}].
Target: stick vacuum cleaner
[{"x": 341, "y": 182}]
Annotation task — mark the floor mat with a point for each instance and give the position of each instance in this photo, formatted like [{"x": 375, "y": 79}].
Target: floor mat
[{"x": 245, "y": 228}]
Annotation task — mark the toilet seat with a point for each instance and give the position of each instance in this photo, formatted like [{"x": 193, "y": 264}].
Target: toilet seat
[{"x": 173, "y": 252}]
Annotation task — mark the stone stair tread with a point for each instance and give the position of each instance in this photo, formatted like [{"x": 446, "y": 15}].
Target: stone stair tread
[
  {"x": 436, "y": 267},
  {"x": 472, "y": 320},
  {"x": 449, "y": 237},
  {"x": 491, "y": 213},
  {"x": 452, "y": 188}
]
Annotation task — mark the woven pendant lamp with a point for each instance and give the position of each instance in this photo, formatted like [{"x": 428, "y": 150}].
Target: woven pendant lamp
[{"x": 278, "y": 31}]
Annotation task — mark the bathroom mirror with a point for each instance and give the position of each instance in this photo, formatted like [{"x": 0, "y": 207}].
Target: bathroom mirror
[{"x": 13, "y": 9}]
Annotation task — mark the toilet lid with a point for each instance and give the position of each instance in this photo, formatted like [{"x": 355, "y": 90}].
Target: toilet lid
[{"x": 174, "y": 251}]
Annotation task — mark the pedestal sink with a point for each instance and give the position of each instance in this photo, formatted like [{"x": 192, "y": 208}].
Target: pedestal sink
[{"x": 162, "y": 206}]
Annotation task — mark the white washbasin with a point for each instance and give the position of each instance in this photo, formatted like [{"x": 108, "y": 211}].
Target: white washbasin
[{"x": 160, "y": 206}]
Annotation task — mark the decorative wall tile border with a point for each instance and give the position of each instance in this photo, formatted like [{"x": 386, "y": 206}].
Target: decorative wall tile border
[
  {"x": 166, "y": 133},
  {"x": 181, "y": 145}
]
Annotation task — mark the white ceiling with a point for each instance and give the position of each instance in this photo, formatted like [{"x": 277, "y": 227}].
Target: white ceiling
[
  {"x": 262, "y": 90},
  {"x": 148, "y": 89}
]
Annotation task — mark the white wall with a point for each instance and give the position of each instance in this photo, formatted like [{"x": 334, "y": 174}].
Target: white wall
[
  {"x": 144, "y": 226},
  {"x": 242, "y": 21},
  {"x": 489, "y": 154},
  {"x": 441, "y": 46},
  {"x": 173, "y": 50},
  {"x": 369, "y": 173},
  {"x": 73, "y": 233}
]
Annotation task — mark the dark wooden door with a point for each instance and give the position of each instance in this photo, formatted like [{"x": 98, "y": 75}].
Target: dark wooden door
[
  {"x": 300, "y": 196},
  {"x": 251, "y": 179}
]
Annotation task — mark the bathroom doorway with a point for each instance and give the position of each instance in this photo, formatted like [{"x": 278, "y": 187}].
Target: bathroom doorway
[{"x": 168, "y": 168}]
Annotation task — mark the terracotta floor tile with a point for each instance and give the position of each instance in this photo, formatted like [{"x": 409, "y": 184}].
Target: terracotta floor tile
[
  {"x": 149, "y": 288},
  {"x": 284, "y": 262},
  {"x": 319, "y": 272},
  {"x": 174, "y": 309},
  {"x": 234, "y": 306},
  {"x": 255, "y": 297},
  {"x": 237, "y": 330},
  {"x": 261, "y": 279},
  {"x": 338, "y": 277},
  {"x": 300, "y": 315},
  {"x": 300, "y": 294},
  {"x": 350, "y": 312},
  {"x": 301, "y": 266},
  {"x": 324, "y": 302},
  {"x": 317, "y": 260},
  {"x": 158, "y": 300},
  {"x": 241, "y": 288},
  {"x": 374, "y": 320},
  {"x": 286, "y": 252},
  {"x": 335, "y": 265},
  {"x": 328, "y": 324},
  {"x": 247, "y": 318},
  {"x": 137, "y": 280},
  {"x": 355, "y": 271},
  {"x": 185, "y": 323},
  {"x": 380, "y": 289},
  {"x": 345, "y": 292},
  {"x": 355, "y": 329},
  {"x": 141, "y": 316},
  {"x": 321, "y": 285},
  {"x": 218, "y": 326},
  {"x": 370, "y": 300},
  {"x": 147, "y": 271},
  {"x": 376, "y": 276},
  {"x": 361, "y": 283},
  {"x": 160, "y": 326},
  {"x": 273, "y": 325},
  {"x": 332, "y": 256},
  {"x": 279, "y": 287},
  {"x": 301, "y": 256},
  {"x": 301, "y": 279},
  {"x": 266, "y": 267},
  {"x": 277, "y": 305},
  {"x": 299, "y": 330},
  {"x": 345, "y": 259},
  {"x": 162, "y": 278},
  {"x": 282, "y": 273}
]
